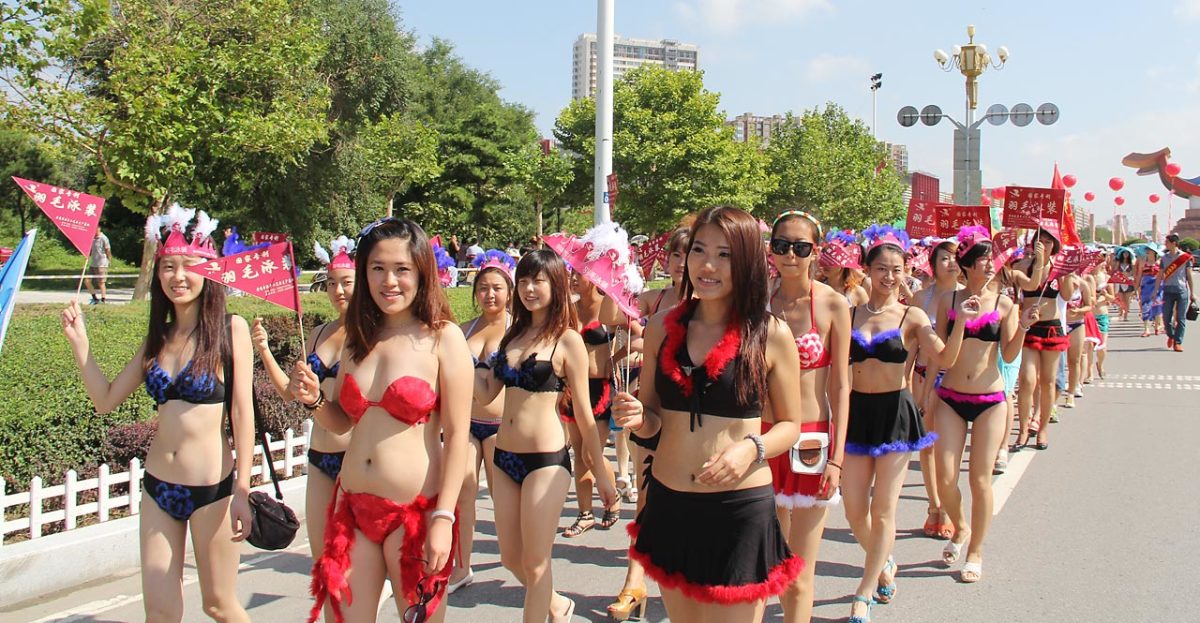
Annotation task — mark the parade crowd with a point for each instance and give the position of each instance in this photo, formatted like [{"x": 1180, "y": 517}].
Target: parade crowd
[{"x": 784, "y": 371}]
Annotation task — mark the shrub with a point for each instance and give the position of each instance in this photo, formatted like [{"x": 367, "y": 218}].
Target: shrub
[{"x": 128, "y": 441}]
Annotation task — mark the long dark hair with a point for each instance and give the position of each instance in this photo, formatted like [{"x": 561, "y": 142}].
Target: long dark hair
[
  {"x": 561, "y": 314},
  {"x": 211, "y": 346},
  {"x": 363, "y": 317},
  {"x": 748, "y": 265}
]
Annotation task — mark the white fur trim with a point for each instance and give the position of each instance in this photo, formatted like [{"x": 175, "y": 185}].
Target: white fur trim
[
  {"x": 321, "y": 253},
  {"x": 154, "y": 227},
  {"x": 339, "y": 244},
  {"x": 799, "y": 500},
  {"x": 205, "y": 226}
]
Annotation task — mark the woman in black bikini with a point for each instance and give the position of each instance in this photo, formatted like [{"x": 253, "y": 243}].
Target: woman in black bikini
[
  {"x": 820, "y": 319},
  {"x": 972, "y": 395},
  {"x": 325, "y": 449},
  {"x": 539, "y": 356},
  {"x": 392, "y": 517},
  {"x": 493, "y": 289},
  {"x": 1046, "y": 339},
  {"x": 190, "y": 351},
  {"x": 885, "y": 427},
  {"x": 708, "y": 533},
  {"x": 597, "y": 338},
  {"x": 633, "y": 593}
]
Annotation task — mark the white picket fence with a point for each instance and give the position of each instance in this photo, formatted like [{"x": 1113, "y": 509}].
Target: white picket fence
[{"x": 34, "y": 519}]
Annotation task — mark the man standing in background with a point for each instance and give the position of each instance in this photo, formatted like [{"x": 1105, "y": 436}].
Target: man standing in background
[
  {"x": 98, "y": 261},
  {"x": 1175, "y": 278}
]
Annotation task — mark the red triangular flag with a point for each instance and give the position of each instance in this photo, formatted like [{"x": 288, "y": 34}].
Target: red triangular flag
[
  {"x": 1070, "y": 233},
  {"x": 267, "y": 273},
  {"x": 76, "y": 214}
]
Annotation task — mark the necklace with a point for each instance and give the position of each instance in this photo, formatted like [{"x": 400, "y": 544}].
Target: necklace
[{"x": 876, "y": 312}]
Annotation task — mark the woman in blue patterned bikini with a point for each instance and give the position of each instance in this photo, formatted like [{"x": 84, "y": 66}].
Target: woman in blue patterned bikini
[
  {"x": 540, "y": 355},
  {"x": 191, "y": 351},
  {"x": 325, "y": 449}
]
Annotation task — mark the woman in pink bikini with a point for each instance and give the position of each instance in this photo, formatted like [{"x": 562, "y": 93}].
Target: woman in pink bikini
[
  {"x": 393, "y": 512},
  {"x": 820, "y": 318}
]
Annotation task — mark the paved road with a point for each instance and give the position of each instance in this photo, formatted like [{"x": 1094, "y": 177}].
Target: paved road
[{"x": 1100, "y": 528}]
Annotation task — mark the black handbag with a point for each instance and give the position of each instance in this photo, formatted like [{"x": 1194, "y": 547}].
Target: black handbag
[
  {"x": 272, "y": 525},
  {"x": 1193, "y": 311}
]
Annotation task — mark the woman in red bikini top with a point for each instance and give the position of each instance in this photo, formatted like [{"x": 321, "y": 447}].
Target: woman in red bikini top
[
  {"x": 408, "y": 455},
  {"x": 820, "y": 319}
]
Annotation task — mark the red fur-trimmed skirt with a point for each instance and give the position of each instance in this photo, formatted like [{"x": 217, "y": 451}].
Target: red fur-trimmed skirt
[
  {"x": 1047, "y": 335},
  {"x": 723, "y": 547},
  {"x": 600, "y": 392},
  {"x": 794, "y": 490},
  {"x": 376, "y": 518}
]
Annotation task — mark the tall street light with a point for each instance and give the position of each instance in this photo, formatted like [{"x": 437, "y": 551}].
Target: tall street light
[
  {"x": 876, "y": 83},
  {"x": 972, "y": 59}
]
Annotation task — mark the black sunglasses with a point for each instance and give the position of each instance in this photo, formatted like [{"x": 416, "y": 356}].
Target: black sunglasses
[
  {"x": 779, "y": 246},
  {"x": 428, "y": 587}
]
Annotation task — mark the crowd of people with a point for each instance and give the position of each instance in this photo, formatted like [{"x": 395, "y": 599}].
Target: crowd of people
[{"x": 769, "y": 382}]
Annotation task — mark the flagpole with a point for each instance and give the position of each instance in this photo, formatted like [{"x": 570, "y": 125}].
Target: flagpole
[
  {"x": 296, "y": 292},
  {"x": 82, "y": 275}
]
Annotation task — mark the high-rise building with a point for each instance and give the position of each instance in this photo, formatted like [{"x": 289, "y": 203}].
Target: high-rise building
[
  {"x": 897, "y": 155},
  {"x": 627, "y": 54},
  {"x": 748, "y": 126}
]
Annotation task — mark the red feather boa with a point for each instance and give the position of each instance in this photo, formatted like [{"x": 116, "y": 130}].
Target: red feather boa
[{"x": 715, "y": 362}]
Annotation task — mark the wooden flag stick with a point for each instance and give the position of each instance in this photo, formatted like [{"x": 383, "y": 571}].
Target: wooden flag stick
[
  {"x": 82, "y": 276},
  {"x": 296, "y": 292}
]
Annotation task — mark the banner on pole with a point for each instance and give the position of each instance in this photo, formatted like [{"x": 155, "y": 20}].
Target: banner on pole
[
  {"x": 265, "y": 273},
  {"x": 74, "y": 213},
  {"x": 1005, "y": 245},
  {"x": 652, "y": 252},
  {"x": 1071, "y": 260},
  {"x": 922, "y": 218},
  {"x": 952, "y": 218},
  {"x": 260, "y": 237},
  {"x": 1026, "y": 207}
]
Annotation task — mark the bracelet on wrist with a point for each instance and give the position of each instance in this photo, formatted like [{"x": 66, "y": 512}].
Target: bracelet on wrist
[
  {"x": 758, "y": 444},
  {"x": 833, "y": 464},
  {"x": 320, "y": 402},
  {"x": 441, "y": 514}
]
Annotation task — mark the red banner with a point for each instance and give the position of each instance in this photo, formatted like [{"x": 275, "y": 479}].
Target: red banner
[
  {"x": 650, "y": 253},
  {"x": 76, "y": 214},
  {"x": 260, "y": 237},
  {"x": 951, "y": 218},
  {"x": 1092, "y": 259},
  {"x": 845, "y": 256},
  {"x": 1071, "y": 260},
  {"x": 1025, "y": 207},
  {"x": 1120, "y": 279},
  {"x": 266, "y": 273},
  {"x": 612, "y": 189},
  {"x": 922, "y": 219},
  {"x": 1004, "y": 246},
  {"x": 920, "y": 259}
]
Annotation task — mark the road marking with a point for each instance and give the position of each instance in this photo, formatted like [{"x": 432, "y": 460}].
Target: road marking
[{"x": 1006, "y": 483}]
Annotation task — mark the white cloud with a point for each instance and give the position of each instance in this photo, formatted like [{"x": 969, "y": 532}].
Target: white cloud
[
  {"x": 1188, "y": 8},
  {"x": 730, "y": 15},
  {"x": 825, "y": 67}
]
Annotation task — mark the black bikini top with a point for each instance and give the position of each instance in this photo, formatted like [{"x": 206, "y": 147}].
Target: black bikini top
[
  {"x": 319, "y": 368},
  {"x": 1050, "y": 290},
  {"x": 203, "y": 389},
  {"x": 532, "y": 375},
  {"x": 887, "y": 346},
  {"x": 596, "y": 334},
  {"x": 985, "y": 328},
  {"x": 684, "y": 386}
]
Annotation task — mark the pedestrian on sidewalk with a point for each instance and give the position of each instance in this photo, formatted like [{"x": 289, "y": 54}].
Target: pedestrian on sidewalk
[
  {"x": 197, "y": 365},
  {"x": 98, "y": 260},
  {"x": 1175, "y": 278}
]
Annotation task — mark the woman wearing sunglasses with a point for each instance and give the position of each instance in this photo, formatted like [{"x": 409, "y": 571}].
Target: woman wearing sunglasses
[
  {"x": 540, "y": 355},
  {"x": 392, "y": 516},
  {"x": 820, "y": 319},
  {"x": 708, "y": 534}
]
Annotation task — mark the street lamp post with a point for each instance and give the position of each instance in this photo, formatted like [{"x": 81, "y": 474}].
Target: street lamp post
[
  {"x": 876, "y": 83},
  {"x": 972, "y": 59}
]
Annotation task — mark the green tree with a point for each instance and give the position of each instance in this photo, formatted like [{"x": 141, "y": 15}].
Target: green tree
[
  {"x": 24, "y": 156},
  {"x": 150, "y": 88},
  {"x": 399, "y": 152},
  {"x": 542, "y": 176},
  {"x": 828, "y": 164},
  {"x": 672, "y": 150}
]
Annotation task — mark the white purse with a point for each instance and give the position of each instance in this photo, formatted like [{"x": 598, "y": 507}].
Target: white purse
[{"x": 810, "y": 453}]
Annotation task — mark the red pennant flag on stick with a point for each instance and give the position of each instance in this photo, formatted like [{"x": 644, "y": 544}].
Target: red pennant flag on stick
[
  {"x": 76, "y": 214},
  {"x": 267, "y": 273}
]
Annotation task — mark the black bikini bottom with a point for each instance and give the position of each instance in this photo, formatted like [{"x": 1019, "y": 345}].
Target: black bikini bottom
[
  {"x": 481, "y": 430},
  {"x": 328, "y": 463},
  {"x": 518, "y": 465},
  {"x": 180, "y": 501}
]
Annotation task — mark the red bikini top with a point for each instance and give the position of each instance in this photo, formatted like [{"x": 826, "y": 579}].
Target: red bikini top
[
  {"x": 408, "y": 399},
  {"x": 813, "y": 354}
]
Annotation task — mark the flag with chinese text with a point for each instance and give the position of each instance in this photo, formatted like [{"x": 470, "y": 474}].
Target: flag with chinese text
[
  {"x": 266, "y": 273},
  {"x": 76, "y": 214}
]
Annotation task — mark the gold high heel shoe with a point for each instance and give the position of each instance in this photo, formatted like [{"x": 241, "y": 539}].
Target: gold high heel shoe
[{"x": 628, "y": 600}]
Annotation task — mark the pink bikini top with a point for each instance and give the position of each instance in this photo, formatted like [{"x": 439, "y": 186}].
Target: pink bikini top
[
  {"x": 810, "y": 346},
  {"x": 408, "y": 399}
]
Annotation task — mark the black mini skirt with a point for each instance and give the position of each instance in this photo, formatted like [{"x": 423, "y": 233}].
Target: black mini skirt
[
  {"x": 885, "y": 423},
  {"x": 724, "y": 547}
]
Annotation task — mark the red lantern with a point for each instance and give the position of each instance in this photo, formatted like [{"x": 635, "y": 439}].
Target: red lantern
[
  {"x": 1154, "y": 198},
  {"x": 1069, "y": 181},
  {"x": 1116, "y": 183},
  {"x": 1174, "y": 169},
  {"x": 998, "y": 192},
  {"x": 1119, "y": 201},
  {"x": 1089, "y": 196}
]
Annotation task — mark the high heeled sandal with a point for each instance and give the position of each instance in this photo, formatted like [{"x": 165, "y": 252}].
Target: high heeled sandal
[
  {"x": 971, "y": 573},
  {"x": 609, "y": 519},
  {"x": 860, "y": 599},
  {"x": 583, "y": 523},
  {"x": 628, "y": 600},
  {"x": 885, "y": 594}
]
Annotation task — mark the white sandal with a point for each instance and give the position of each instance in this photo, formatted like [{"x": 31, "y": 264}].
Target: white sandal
[
  {"x": 952, "y": 551},
  {"x": 971, "y": 572}
]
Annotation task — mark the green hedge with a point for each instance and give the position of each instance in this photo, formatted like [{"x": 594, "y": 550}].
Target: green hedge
[{"x": 47, "y": 423}]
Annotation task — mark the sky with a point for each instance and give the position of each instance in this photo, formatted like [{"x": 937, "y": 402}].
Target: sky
[{"x": 1125, "y": 76}]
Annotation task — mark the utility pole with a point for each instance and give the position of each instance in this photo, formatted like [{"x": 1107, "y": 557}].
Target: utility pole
[{"x": 604, "y": 108}]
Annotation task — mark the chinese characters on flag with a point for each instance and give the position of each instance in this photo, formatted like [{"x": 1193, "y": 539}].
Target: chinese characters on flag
[
  {"x": 650, "y": 253},
  {"x": 920, "y": 260},
  {"x": 922, "y": 219},
  {"x": 76, "y": 214},
  {"x": 1025, "y": 207},
  {"x": 952, "y": 218},
  {"x": 1005, "y": 245},
  {"x": 266, "y": 273},
  {"x": 1069, "y": 260},
  {"x": 260, "y": 237}
]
